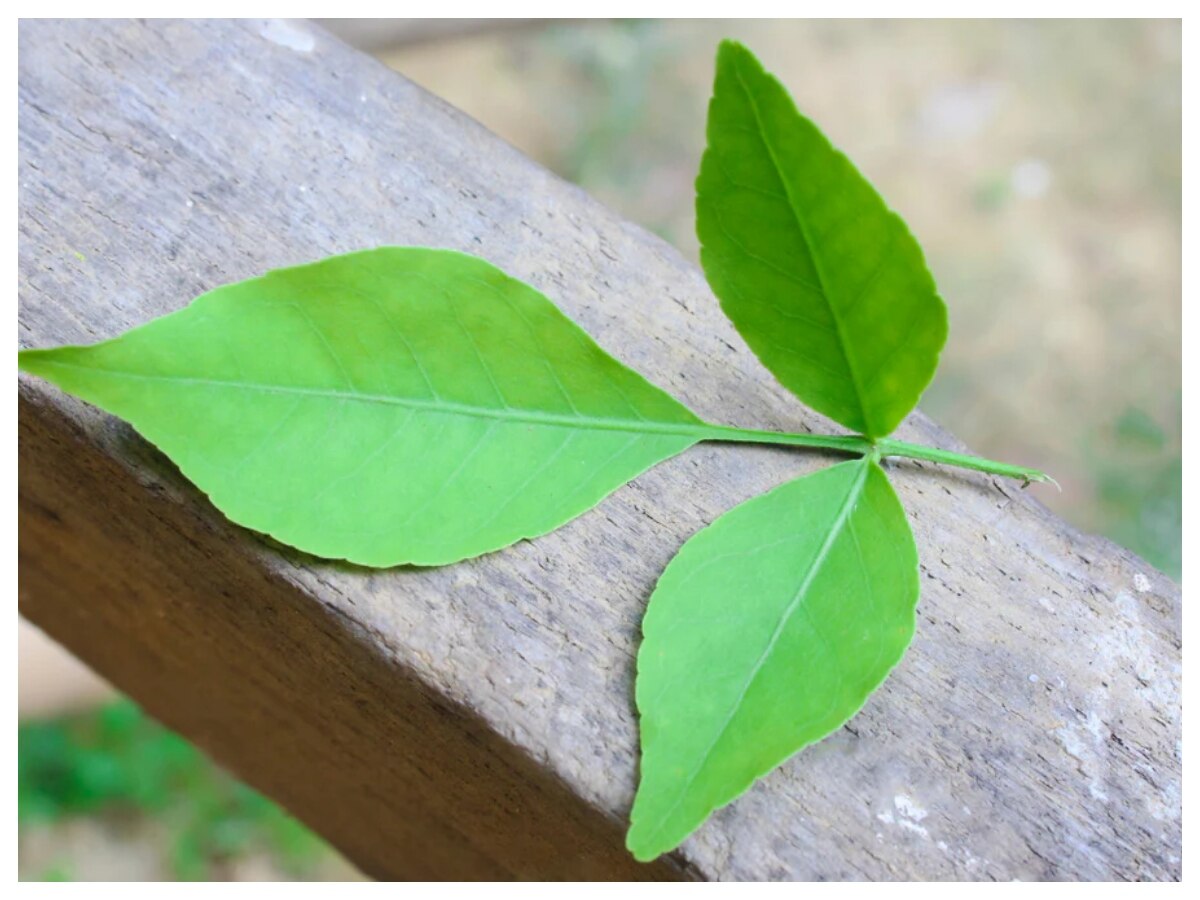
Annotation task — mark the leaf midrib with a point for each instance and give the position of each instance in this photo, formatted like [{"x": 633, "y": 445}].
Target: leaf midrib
[
  {"x": 697, "y": 431},
  {"x": 835, "y": 530},
  {"x": 808, "y": 245}
]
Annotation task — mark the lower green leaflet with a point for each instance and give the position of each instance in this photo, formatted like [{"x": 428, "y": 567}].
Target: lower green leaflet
[
  {"x": 766, "y": 632},
  {"x": 398, "y": 405}
]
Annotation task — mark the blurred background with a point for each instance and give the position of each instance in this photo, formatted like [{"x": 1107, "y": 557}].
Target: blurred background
[{"x": 1039, "y": 164}]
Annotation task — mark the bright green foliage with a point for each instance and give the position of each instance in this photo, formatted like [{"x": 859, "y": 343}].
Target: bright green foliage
[
  {"x": 824, "y": 282},
  {"x": 766, "y": 632},
  {"x": 398, "y": 405}
]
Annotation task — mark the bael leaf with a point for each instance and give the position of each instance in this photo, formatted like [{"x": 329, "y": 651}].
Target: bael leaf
[
  {"x": 766, "y": 632},
  {"x": 397, "y": 405},
  {"x": 824, "y": 282}
]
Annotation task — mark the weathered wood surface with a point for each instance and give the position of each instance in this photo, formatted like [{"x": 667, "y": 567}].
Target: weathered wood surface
[{"x": 477, "y": 720}]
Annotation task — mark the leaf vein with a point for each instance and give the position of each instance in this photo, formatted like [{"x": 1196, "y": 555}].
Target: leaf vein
[{"x": 695, "y": 430}]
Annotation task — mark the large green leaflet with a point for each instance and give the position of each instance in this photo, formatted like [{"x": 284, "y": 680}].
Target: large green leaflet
[
  {"x": 824, "y": 282},
  {"x": 397, "y": 405},
  {"x": 766, "y": 632}
]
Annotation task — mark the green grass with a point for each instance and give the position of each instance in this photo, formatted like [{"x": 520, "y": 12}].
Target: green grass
[{"x": 118, "y": 763}]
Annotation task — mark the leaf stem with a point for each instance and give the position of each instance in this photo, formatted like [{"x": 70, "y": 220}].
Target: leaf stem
[
  {"x": 857, "y": 444},
  {"x": 844, "y": 443},
  {"x": 892, "y": 447}
]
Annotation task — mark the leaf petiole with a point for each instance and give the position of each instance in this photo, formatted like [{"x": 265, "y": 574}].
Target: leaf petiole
[
  {"x": 843, "y": 443},
  {"x": 859, "y": 445},
  {"x": 892, "y": 447}
]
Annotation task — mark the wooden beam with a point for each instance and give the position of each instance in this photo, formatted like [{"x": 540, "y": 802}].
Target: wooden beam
[{"x": 476, "y": 720}]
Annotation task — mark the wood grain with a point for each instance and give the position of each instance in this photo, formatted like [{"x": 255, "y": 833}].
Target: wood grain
[{"x": 476, "y": 721}]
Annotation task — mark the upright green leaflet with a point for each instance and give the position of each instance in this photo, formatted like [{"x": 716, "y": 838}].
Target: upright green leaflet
[
  {"x": 824, "y": 282},
  {"x": 411, "y": 405}
]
